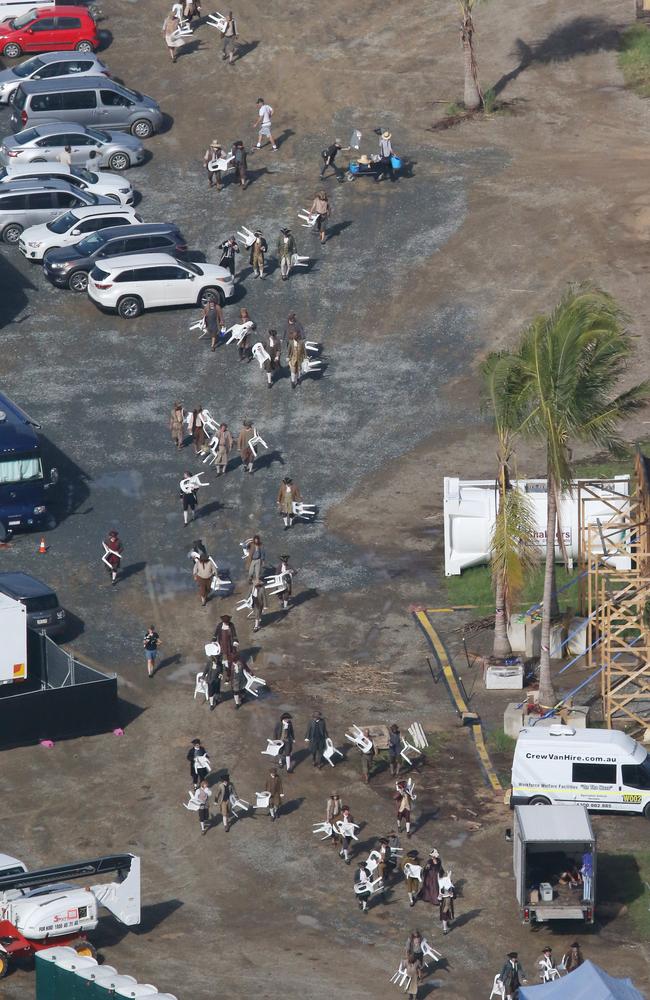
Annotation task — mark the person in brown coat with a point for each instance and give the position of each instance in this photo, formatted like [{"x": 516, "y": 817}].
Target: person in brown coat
[
  {"x": 177, "y": 425},
  {"x": 295, "y": 357},
  {"x": 244, "y": 348},
  {"x": 245, "y": 453},
  {"x": 431, "y": 875},
  {"x": 322, "y": 209},
  {"x": 413, "y": 885},
  {"x": 224, "y": 447},
  {"x": 288, "y": 494},
  {"x": 259, "y": 604},
  {"x": 226, "y": 635},
  {"x": 274, "y": 786},
  {"x": 196, "y": 429},
  {"x": 203, "y": 572},
  {"x": 273, "y": 348}
]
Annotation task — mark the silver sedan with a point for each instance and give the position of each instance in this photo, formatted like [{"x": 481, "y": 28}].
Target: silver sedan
[{"x": 45, "y": 142}]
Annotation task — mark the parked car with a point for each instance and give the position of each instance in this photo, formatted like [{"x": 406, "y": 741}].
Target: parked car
[
  {"x": 44, "y": 29},
  {"x": 92, "y": 100},
  {"x": 43, "y": 143},
  {"x": 72, "y": 227},
  {"x": 28, "y": 203},
  {"x": 69, "y": 267},
  {"x": 129, "y": 285},
  {"x": 110, "y": 185},
  {"x": 44, "y": 613},
  {"x": 47, "y": 66}
]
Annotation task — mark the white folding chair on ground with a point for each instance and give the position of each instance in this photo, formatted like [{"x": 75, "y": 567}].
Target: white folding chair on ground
[
  {"x": 408, "y": 748},
  {"x": 238, "y": 804},
  {"x": 308, "y": 218},
  {"x": 298, "y": 261},
  {"x": 429, "y": 953},
  {"x": 498, "y": 988},
  {"x": 262, "y": 800},
  {"x": 256, "y": 441},
  {"x": 325, "y": 828},
  {"x": 401, "y": 977},
  {"x": 200, "y": 325},
  {"x": 252, "y": 681},
  {"x": 200, "y": 687},
  {"x": 192, "y": 803},
  {"x": 306, "y": 511},
  {"x": 364, "y": 743},
  {"x": 245, "y": 235},
  {"x": 418, "y": 736},
  {"x": 329, "y": 751},
  {"x": 238, "y": 331},
  {"x": 260, "y": 354},
  {"x": 273, "y": 748},
  {"x": 311, "y": 346},
  {"x": 307, "y": 367},
  {"x": 346, "y": 829},
  {"x": 217, "y": 20}
]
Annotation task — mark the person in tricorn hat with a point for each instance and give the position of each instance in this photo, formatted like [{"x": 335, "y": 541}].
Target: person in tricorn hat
[
  {"x": 245, "y": 452},
  {"x": 286, "y": 248},
  {"x": 546, "y": 965},
  {"x": 259, "y": 248},
  {"x": 288, "y": 494},
  {"x": 273, "y": 347},
  {"x": 198, "y": 771},
  {"x": 512, "y": 976},
  {"x": 226, "y": 635},
  {"x": 413, "y": 884}
]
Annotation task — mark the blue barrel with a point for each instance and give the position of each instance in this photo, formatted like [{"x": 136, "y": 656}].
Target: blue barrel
[
  {"x": 397, "y": 163},
  {"x": 354, "y": 167}
]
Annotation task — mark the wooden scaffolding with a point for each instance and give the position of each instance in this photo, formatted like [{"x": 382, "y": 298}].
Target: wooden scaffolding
[{"x": 616, "y": 556}]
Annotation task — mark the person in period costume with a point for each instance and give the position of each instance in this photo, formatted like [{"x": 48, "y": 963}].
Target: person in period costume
[
  {"x": 172, "y": 40},
  {"x": 259, "y": 604},
  {"x": 202, "y": 796},
  {"x": 213, "y": 319},
  {"x": 295, "y": 357},
  {"x": 255, "y": 559},
  {"x": 225, "y": 634},
  {"x": 288, "y": 494},
  {"x": 274, "y": 787},
  {"x": 394, "y": 749},
  {"x": 512, "y": 976},
  {"x": 403, "y": 804},
  {"x": 177, "y": 425},
  {"x": 293, "y": 326},
  {"x": 245, "y": 453},
  {"x": 224, "y": 790},
  {"x": 273, "y": 349},
  {"x": 367, "y": 759},
  {"x": 412, "y": 970},
  {"x": 196, "y": 430},
  {"x": 238, "y": 680},
  {"x": 198, "y": 772},
  {"x": 431, "y": 875},
  {"x": 322, "y": 209},
  {"x": 333, "y": 812},
  {"x": 573, "y": 957},
  {"x": 362, "y": 877},
  {"x": 244, "y": 347},
  {"x": 213, "y": 675},
  {"x": 213, "y": 152},
  {"x": 286, "y": 573},
  {"x": 316, "y": 736},
  {"x": 203, "y": 572},
  {"x": 413, "y": 951},
  {"x": 287, "y": 246},
  {"x": 229, "y": 36},
  {"x": 112, "y": 557},
  {"x": 259, "y": 249},
  {"x": 240, "y": 163},
  {"x": 189, "y": 500},
  {"x": 224, "y": 447},
  {"x": 284, "y": 731},
  {"x": 546, "y": 965},
  {"x": 346, "y": 839},
  {"x": 446, "y": 901},
  {"x": 413, "y": 885},
  {"x": 229, "y": 248}
]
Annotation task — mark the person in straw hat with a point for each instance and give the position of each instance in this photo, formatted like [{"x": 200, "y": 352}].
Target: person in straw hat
[
  {"x": 213, "y": 152},
  {"x": 386, "y": 152}
]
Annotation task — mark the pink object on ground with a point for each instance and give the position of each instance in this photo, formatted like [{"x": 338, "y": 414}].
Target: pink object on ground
[
  {"x": 118, "y": 732},
  {"x": 46, "y": 743}
]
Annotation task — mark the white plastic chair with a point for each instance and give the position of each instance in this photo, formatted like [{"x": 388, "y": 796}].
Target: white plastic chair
[
  {"x": 498, "y": 988},
  {"x": 275, "y": 584},
  {"x": 329, "y": 752},
  {"x": 252, "y": 681},
  {"x": 260, "y": 354},
  {"x": 413, "y": 871},
  {"x": 303, "y": 510},
  {"x": 547, "y": 971},
  {"x": 311, "y": 346},
  {"x": 372, "y": 861},
  {"x": 212, "y": 649},
  {"x": 408, "y": 748},
  {"x": 200, "y": 687},
  {"x": 238, "y": 804},
  {"x": 429, "y": 953},
  {"x": 203, "y": 763},
  {"x": 183, "y": 30},
  {"x": 418, "y": 736},
  {"x": 210, "y": 425},
  {"x": 262, "y": 800},
  {"x": 325, "y": 828},
  {"x": 221, "y": 162},
  {"x": 364, "y": 743},
  {"x": 192, "y": 803},
  {"x": 273, "y": 748},
  {"x": 256, "y": 441},
  {"x": 200, "y": 325},
  {"x": 217, "y": 20},
  {"x": 191, "y": 483},
  {"x": 238, "y": 331},
  {"x": 346, "y": 829},
  {"x": 245, "y": 235},
  {"x": 401, "y": 977},
  {"x": 298, "y": 261},
  {"x": 308, "y": 218},
  {"x": 308, "y": 366},
  {"x": 247, "y": 603}
]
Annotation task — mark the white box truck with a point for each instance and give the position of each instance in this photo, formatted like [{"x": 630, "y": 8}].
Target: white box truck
[
  {"x": 599, "y": 768},
  {"x": 554, "y": 862},
  {"x": 13, "y": 640}
]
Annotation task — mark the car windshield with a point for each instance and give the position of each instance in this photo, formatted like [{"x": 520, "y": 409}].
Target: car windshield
[
  {"x": 135, "y": 94},
  {"x": 45, "y": 602},
  {"x": 63, "y": 223},
  {"x": 20, "y": 22},
  {"x": 97, "y": 133},
  {"x": 20, "y": 470},
  {"x": 84, "y": 175},
  {"x": 90, "y": 243},
  {"x": 30, "y": 66},
  {"x": 22, "y": 138},
  {"x": 191, "y": 266}
]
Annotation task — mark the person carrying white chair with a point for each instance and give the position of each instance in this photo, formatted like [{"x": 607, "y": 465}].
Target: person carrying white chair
[{"x": 547, "y": 970}]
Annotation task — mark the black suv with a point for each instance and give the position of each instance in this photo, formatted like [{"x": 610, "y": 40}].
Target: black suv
[
  {"x": 68, "y": 267},
  {"x": 44, "y": 613}
]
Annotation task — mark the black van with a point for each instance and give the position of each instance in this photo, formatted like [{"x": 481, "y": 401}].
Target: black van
[
  {"x": 68, "y": 267},
  {"x": 44, "y": 613}
]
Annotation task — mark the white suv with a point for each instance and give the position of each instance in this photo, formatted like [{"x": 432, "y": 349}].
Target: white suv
[
  {"x": 130, "y": 284},
  {"x": 73, "y": 226},
  {"x": 109, "y": 185}
]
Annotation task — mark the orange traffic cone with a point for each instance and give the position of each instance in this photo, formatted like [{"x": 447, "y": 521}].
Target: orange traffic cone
[{"x": 42, "y": 549}]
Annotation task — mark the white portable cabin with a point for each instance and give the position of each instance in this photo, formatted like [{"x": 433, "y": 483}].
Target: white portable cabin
[{"x": 13, "y": 640}]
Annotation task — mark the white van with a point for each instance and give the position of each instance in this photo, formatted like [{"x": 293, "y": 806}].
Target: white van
[
  {"x": 601, "y": 768},
  {"x": 14, "y": 8}
]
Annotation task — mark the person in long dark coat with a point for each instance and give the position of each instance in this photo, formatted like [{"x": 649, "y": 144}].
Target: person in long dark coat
[
  {"x": 238, "y": 680},
  {"x": 512, "y": 976},
  {"x": 316, "y": 737},
  {"x": 212, "y": 674},
  {"x": 433, "y": 871},
  {"x": 284, "y": 731},
  {"x": 226, "y": 635}
]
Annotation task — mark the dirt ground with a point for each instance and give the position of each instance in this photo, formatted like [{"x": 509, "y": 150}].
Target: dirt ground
[{"x": 419, "y": 279}]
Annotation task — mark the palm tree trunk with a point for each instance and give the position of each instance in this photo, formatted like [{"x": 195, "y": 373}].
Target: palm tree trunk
[
  {"x": 546, "y": 692},
  {"x": 472, "y": 92},
  {"x": 501, "y": 644}
]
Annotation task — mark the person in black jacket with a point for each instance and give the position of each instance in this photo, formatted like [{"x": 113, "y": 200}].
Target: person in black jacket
[
  {"x": 197, "y": 773},
  {"x": 394, "y": 749},
  {"x": 329, "y": 157},
  {"x": 229, "y": 248},
  {"x": 284, "y": 731},
  {"x": 212, "y": 675},
  {"x": 512, "y": 976},
  {"x": 316, "y": 737}
]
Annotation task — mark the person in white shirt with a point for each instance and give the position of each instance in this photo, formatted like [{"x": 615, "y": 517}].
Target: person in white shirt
[
  {"x": 65, "y": 157},
  {"x": 386, "y": 152},
  {"x": 263, "y": 121},
  {"x": 202, "y": 796}
]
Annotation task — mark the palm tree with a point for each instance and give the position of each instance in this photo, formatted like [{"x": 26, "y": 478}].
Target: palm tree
[
  {"x": 473, "y": 96},
  {"x": 570, "y": 363},
  {"x": 513, "y": 553}
]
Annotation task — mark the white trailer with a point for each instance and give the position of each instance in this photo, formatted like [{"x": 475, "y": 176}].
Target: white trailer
[{"x": 13, "y": 640}]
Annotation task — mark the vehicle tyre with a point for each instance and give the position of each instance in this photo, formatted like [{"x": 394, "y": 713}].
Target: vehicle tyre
[
  {"x": 84, "y": 948},
  {"x": 119, "y": 161},
  {"x": 4, "y": 964},
  {"x": 3, "y": 538},
  {"x": 142, "y": 128},
  {"x": 78, "y": 281},
  {"x": 130, "y": 307},
  {"x": 49, "y": 250},
  {"x": 12, "y": 50},
  {"x": 646, "y": 811},
  {"x": 539, "y": 800},
  {"x": 114, "y": 197},
  {"x": 38, "y": 159},
  {"x": 211, "y": 294},
  {"x": 84, "y": 46},
  {"x": 11, "y": 233}
]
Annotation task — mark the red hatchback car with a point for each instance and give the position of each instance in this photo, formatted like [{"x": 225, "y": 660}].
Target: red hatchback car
[{"x": 49, "y": 29}]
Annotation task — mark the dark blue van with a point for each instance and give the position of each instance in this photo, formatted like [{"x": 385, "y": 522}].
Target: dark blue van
[{"x": 22, "y": 481}]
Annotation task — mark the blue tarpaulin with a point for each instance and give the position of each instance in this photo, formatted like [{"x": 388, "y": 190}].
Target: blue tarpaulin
[{"x": 588, "y": 982}]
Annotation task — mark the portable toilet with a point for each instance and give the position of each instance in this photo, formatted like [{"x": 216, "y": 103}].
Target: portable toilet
[
  {"x": 69, "y": 965},
  {"x": 107, "y": 988},
  {"x": 48, "y": 971},
  {"x": 139, "y": 990},
  {"x": 87, "y": 980}
]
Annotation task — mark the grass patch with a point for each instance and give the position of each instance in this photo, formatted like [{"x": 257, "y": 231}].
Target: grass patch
[
  {"x": 500, "y": 742},
  {"x": 634, "y": 59},
  {"x": 437, "y": 743},
  {"x": 474, "y": 586},
  {"x": 454, "y": 109},
  {"x": 489, "y": 101},
  {"x": 622, "y": 878}
]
